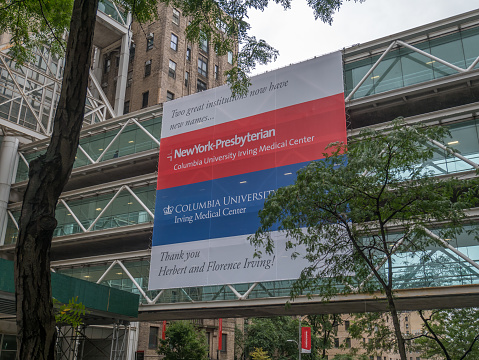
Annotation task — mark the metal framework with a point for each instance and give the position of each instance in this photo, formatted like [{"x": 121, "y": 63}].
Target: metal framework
[{"x": 405, "y": 44}]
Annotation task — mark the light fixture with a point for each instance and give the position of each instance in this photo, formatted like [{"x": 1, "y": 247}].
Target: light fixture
[
  {"x": 430, "y": 62},
  {"x": 69, "y": 214},
  {"x": 87, "y": 276},
  {"x": 448, "y": 239},
  {"x": 100, "y": 149},
  {"x": 130, "y": 203},
  {"x": 131, "y": 141},
  {"x": 98, "y": 209},
  {"x": 120, "y": 273},
  {"x": 288, "y": 173},
  {"x": 453, "y": 142},
  {"x": 375, "y": 77},
  {"x": 243, "y": 182}
]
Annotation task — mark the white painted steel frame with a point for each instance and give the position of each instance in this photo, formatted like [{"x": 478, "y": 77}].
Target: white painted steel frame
[{"x": 405, "y": 44}]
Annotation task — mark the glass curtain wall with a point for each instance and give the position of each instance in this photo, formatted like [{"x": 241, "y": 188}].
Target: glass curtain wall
[
  {"x": 404, "y": 67},
  {"x": 132, "y": 140}
]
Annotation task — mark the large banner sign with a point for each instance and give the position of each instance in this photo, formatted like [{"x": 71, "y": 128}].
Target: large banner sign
[{"x": 220, "y": 158}]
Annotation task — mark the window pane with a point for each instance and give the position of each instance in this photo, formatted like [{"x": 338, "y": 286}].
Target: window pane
[
  {"x": 416, "y": 68},
  {"x": 448, "y": 48}
]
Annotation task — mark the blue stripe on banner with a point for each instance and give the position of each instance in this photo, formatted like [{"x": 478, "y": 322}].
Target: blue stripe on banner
[{"x": 217, "y": 208}]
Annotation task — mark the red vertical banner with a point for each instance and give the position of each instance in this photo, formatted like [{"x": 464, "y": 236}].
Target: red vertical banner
[
  {"x": 163, "y": 331},
  {"x": 306, "y": 339},
  {"x": 220, "y": 334}
]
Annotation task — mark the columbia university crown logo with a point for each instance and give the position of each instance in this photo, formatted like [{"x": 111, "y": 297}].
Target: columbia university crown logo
[{"x": 168, "y": 210}]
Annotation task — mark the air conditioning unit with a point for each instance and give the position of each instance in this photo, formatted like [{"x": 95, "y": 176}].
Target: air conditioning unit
[
  {"x": 105, "y": 84},
  {"x": 150, "y": 36}
]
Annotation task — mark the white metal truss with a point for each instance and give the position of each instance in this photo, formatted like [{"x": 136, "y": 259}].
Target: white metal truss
[
  {"x": 100, "y": 157},
  {"x": 89, "y": 229},
  {"x": 34, "y": 90},
  {"x": 405, "y": 44}
]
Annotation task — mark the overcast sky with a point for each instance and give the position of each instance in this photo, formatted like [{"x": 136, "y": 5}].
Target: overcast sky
[{"x": 298, "y": 36}]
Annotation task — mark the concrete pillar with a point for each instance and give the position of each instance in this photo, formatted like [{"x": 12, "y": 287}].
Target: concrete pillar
[
  {"x": 8, "y": 167},
  {"x": 123, "y": 71}
]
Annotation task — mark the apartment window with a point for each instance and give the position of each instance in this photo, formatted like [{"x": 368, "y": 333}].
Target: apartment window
[
  {"x": 126, "y": 107},
  {"x": 148, "y": 68},
  {"x": 348, "y": 342},
  {"x": 187, "y": 78},
  {"x": 202, "y": 65},
  {"x": 176, "y": 17},
  {"x": 223, "y": 342},
  {"x": 230, "y": 57},
  {"x": 204, "y": 44},
  {"x": 106, "y": 65},
  {"x": 129, "y": 78},
  {"x": 149, "y": 42},
  {"x": 336, "y": 342},
  {"x": 117, "y": 61},
  {"x": 406, "y": 318},
  {"x": 216, "y": 72},
  {"x": 144, "y": 101},
  {"x": 174, "y": 42},
  {"x": 407, "y": 326},
  {"x": 172, "y": 69},
  {"x": 169, "y": 96},
  {"x": 379, "y": 357},
  {"x": 188, "y": 53},
  {"x": 153, "y": 338},
  {"x": 200, "y": 86},
  {"x": 346, "y": 325}
]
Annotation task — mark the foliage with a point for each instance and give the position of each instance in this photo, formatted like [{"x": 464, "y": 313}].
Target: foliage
[
  {"x": 272, "y": 335},
  {"x": 324, "y": 329},
  {"x": 351, "y": 214},
  {"x": 69, "y": 314},
  {"x": 259, "y": 354},
  {"x": 451, "y": 334},
  {"x": 35, "y": 23},
  {"x": 183, "y": 342}
]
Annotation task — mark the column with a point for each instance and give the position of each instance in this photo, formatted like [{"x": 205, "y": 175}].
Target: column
[{"x": 8, "y": 167}]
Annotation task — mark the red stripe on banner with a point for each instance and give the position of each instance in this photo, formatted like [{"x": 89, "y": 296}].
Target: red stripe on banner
[
  {"x": 220, "y": 334},
  {"x": 306, "y": 339},
  {"x": 163, "y": 331},
  {"x": 285, "y": 136}
]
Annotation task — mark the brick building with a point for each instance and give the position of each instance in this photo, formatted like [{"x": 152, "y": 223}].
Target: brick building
[{"x": 162, "y": 65}]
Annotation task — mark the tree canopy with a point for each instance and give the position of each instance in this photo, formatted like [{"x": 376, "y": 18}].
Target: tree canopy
[
  {"x": 366, "y": 202},
  {"x": 183, "y": 342}
]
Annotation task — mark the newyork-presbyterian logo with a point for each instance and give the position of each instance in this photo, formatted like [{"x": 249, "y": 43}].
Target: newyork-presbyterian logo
[{"x": 168, "y": 210}]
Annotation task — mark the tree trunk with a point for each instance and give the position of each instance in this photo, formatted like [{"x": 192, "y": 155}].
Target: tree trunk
[
  {"x": 48, "y": 174},
  {"x": 397, "y": 326}
]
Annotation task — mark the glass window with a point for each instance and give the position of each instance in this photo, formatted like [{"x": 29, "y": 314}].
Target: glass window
[
  {"x": 149, "y": 42},
  {"x": 416, "y": 68},
  {"x": 106, "y": 65},
  {"x": 216, "y": 72},
  {"x": 230, "y": 57},
  {"x": 448, "y": 48},
  {"x": 148, "y": 68},
  {"x": 387, "y": 75},
  {"x": 187, "y": 78},
  {"x": 126, "y": 107},
  {"x": 200, "y": 86},
  {"x": 176, "y": 17},
  {"x": 188, "y": 53},
  {"x": 348, "y": 342},
  {"x": 169, "y": 96},
  {"x": 132, "y": 51},
  {"x": 202, "y": 65},
  {"x": 336, "y": 342},
  {"x": 223, "y": 342},
  {"x": 204, "y": 43},
  {"x": 172, "y": 69},
  {"x": 346, "y": 325},
  {"x": 470, "y": 39},
  {"x": 144, "y": 101},
  {"x": 153, "y": 337},
  {"x": 174, "y": 42}
]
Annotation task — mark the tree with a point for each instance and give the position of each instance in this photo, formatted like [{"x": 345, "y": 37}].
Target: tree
[
  {"x": 259, "y": 354},
  {"x": 346, "y": 210},
  {"x": 37, "y": 22},
  {"x": 324, "y": 328},
  {"x": 452, "y": 334},
  {"x": 183, "y": 342},
  {"x": 271, "y": 335}
]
